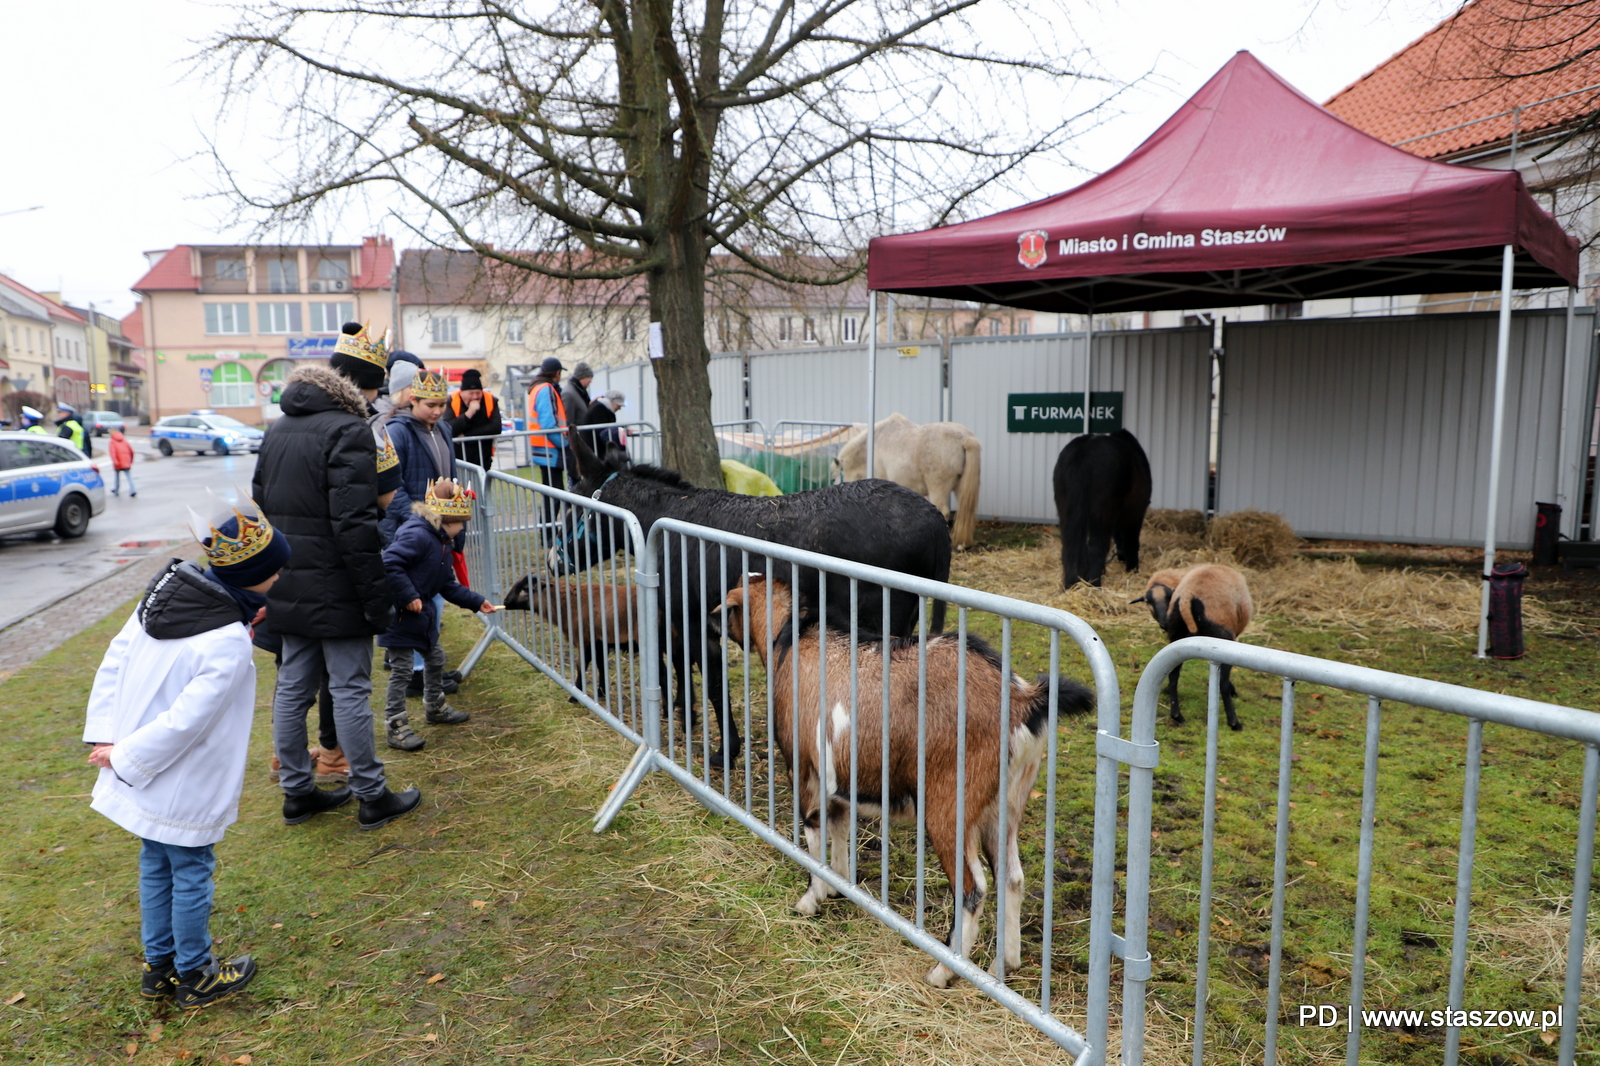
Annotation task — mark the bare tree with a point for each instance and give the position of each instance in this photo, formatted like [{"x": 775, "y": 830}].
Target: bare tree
[{"x": 609, "y": 141}]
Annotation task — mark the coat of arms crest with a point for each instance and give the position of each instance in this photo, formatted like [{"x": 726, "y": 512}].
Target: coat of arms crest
[{"x": 1031, "y": 248}]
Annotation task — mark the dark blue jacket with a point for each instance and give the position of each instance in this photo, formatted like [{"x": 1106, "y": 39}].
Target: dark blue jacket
[
  {"x": 419, "y": 568},
  {"x": 416, "y": 467}
]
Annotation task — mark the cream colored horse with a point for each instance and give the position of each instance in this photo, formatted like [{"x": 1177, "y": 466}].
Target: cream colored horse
[{"x": 933, "y": 460}]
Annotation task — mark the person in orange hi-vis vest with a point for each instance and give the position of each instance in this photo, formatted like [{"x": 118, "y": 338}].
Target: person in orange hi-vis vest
[{"x": 547, "y": 416}]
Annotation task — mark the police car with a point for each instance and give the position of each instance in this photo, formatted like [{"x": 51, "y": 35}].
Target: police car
[
  {"x": 204, "y": 431},
  {"x": 46, "y": 483}
]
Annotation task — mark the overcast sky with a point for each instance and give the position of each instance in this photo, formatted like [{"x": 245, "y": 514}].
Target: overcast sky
[{"x": 104, "y": 125}]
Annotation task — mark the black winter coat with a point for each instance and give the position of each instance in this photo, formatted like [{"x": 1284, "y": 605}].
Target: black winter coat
[
  {"x": 317, "y": 481},
  {"x": 482, "y": 424},
  {"x": 419, "y": 567}
]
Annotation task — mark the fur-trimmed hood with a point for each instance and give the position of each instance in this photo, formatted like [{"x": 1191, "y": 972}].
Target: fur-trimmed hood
[
  {"x": 341, "y": 393},
  {"x": 429, "y": 515}
]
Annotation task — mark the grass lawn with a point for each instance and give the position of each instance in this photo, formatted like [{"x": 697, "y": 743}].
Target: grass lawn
[{"x": 494, "y": 926}]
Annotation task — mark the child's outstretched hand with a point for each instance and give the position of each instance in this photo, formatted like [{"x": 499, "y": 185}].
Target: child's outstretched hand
[
  {"x": 100, "y": 755},
  {"x": 486, "y": 607},
  {"x": 415, "y": 606}
]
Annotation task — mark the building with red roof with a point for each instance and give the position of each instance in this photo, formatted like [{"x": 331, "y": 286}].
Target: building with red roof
[
  {"x": 222, "y": 326},
  {"x": 1498, "y": 84}
]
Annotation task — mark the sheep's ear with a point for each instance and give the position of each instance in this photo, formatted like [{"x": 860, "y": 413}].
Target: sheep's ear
[{"x": 1142, "y": 599}]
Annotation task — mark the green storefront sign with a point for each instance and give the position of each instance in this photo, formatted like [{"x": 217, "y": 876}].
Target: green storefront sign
[{"x": 1062, "y": 412}]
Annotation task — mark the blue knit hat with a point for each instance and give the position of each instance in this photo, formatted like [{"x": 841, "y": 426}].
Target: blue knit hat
[{"x": 242, "y": 547}]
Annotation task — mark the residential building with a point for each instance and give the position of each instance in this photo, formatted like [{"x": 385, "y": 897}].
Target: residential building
[
  {"x": 224, "y": 325},
  {"x": 116, "y": 373},
  {"x": 1498, "y": 85},
  {"x": 42, "y": 346}
]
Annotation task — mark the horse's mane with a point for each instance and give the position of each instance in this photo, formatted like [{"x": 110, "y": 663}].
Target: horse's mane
[{"x": 670, "y": 478}]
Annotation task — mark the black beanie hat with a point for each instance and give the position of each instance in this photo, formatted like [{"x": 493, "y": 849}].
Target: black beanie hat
[
  {"x": 471, "y": 379},
  {"x": 362, "y": 372}
]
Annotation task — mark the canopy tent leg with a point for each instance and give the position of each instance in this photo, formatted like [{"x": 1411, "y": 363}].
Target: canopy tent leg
[
  {"x": 1088, "y": 372},
  {"x": 1502, "y": 349},
  {"x": 1564, "y": 467},
  {"x": 872, "y": 384}
]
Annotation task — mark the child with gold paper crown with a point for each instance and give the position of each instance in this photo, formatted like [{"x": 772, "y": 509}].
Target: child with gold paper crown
[
  {"x": 169, "y": 718},
  {"x": 419, "y": 565}
]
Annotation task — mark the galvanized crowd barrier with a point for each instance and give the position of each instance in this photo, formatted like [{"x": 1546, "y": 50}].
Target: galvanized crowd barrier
[
  {"x": 1140, "y": 754},
  {"x": 643, "y": 441},
  {"x": 656, "y": 591},
  {"x": 800, "y": 454}
]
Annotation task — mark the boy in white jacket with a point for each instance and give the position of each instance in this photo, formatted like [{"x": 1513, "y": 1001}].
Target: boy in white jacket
[{"x": 169, "y": 718}]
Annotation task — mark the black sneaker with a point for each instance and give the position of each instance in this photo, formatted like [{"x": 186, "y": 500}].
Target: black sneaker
[
  {"x": 308, "y": 805},
  {"x": 447, "y": 715},
  {"x": 379, "y": 812},
  {"x": 414, "y": 689},
  {"x": 454, "y": 675},
  {"x": 450, "y": 687},
  {"x": 160, "y": 980},
  {"x": 404, "y": 739},
  {"x": 199, "y": 987}
]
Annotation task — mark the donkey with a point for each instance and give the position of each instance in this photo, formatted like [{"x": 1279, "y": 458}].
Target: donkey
[
  {"x": 874, "y": 522},
  {"x": 1102, "y": 486},
  {"x": 932, "y": 460},
  {"x": 824, "y": 749}
]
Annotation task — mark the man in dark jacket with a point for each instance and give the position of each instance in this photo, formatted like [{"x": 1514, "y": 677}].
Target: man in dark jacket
[
  {"x": 575, "y": 398},
  {"x": 316, "y": 480},
  {"x": 474, "y": 412}
]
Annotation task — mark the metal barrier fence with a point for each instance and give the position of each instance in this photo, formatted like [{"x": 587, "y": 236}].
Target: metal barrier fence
[
  {"x": 643, "y": 441},
  {"x": 1378, "y": 686},
  {"x": 801, "y": 454},
  {"x": 645, "y": 613}
]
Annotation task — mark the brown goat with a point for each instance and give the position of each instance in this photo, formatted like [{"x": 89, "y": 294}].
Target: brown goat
[
  {"x": 1209, "y": 600},
  {"x": 829, "y": 753},
  {"x": 594, "y": 615}
]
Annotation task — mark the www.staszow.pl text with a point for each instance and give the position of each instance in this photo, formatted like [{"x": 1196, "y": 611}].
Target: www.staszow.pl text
[{"x": 1328, "y": 1015}]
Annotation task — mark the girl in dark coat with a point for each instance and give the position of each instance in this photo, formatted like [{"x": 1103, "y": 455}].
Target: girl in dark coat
[{"x": 418, "y": 562}]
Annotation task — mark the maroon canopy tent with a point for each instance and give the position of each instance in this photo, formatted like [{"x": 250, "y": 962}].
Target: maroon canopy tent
[{"x": 1252, "y": 193}]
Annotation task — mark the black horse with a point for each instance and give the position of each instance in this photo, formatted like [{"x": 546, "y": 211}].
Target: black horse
[
  {"x": 1102, "y": 485},
  {"x": 874, "y": 522}
]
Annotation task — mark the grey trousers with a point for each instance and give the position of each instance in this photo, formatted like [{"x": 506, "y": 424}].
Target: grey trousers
[
  {"x": 347, "y": 664},
  {"x": 400, "y": 677}
]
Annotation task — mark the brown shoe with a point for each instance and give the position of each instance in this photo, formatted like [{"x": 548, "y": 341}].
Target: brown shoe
[{"x": 330, "y": 766}]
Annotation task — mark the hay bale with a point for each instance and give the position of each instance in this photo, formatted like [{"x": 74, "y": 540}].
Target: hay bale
[
  {"x": 1165, "y": 530},
  {"x": 1257, "y": 539}
]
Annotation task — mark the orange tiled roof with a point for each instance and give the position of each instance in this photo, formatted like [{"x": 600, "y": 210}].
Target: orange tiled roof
[
  {"x": 1457, "y": 73},
  {"x": 170, "y": 272}
]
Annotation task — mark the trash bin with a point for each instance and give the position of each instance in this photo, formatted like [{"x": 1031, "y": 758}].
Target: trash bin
[
  {"x": 1505, "y": 611},
  {"x": 1546, "y": 534}
]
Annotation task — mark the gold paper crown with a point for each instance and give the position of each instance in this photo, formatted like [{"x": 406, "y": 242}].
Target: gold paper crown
[
  {"x": 255, "y": 533},
  {"x": 361, "y": 346},
  {"x": 429, "y": 385},
  {"x": 388, "y": 458},
  {"x": 456, "y": 505}
]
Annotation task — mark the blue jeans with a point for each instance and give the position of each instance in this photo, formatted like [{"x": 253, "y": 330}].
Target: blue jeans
[
  {"x": 418, "y": 661},
  {"x": 117, "y": 482},
  {"x": 175, "y": 890}
]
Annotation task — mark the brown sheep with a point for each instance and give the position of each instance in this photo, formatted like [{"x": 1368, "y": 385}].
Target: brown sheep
[
  {"x": 1209, "y": 600},
  {"x": 1027, "y": 733}
]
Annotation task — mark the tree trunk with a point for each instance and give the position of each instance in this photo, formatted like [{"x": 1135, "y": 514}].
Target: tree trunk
[{"x": 683, "y": 382}]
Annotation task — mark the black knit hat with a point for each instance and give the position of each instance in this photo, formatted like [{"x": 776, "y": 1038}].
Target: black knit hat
[
  {"x": 358, "y": 359},
  {"x": 471, "y": 379}
]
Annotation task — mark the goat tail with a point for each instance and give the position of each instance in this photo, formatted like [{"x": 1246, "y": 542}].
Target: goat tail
[
  {"x": 967, "y": 493},
  {"x": 1071, "y": 699}
]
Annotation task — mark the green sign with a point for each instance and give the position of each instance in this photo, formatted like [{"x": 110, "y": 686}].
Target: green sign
[{"x": 1062, "y": 412}]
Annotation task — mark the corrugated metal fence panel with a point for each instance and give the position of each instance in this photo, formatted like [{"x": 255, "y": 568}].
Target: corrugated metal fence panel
[
  {"x": 1163, "y": 375},
  {"x": 830, "y": 384},
  {"x": 727, "y": 387},
  {"x": 637, "y": 383},
  {"x": 1379, "y": 429}
]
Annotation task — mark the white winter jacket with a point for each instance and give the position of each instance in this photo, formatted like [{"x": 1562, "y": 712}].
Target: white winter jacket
[{"x": 176, "y": 695}]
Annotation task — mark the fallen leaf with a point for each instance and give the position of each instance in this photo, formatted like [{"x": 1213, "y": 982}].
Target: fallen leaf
[
  {"x": 432, "y": 1038},
  {"x": 62, "y": 848},
  {"x": 154, "y": 1036},
  {"x": 88, "y": 883},
  {"x": 277, "y": 925},
  {"x": 1548, "y": 1037},
  {"x": 18, "y": 998},
  {"x": 1036, "y": 794},
  {"x": 241, "y": 908},
  {"x": 243, "y": 1060},
  {"x": 131, "y": 1049},
  {"x": 1223, "y": 920},
  {"x": 435, "y": 979},
  {"x": 479, "y": 904},
  {"x": 1308, "y": 862}
]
